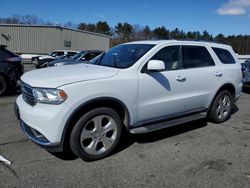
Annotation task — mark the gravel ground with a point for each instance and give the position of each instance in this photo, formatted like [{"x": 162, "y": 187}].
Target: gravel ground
[{"x": 196, "y": 154}]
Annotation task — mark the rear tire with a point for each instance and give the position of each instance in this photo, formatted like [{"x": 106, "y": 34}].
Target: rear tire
[
  {"x": 96, "y": 134},
  {"x": 221, "y": 107},
  {"x": 3, "y": 85}
]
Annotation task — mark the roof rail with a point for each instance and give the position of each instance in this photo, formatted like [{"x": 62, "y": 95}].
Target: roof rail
[{"x": 197, "y": 40}]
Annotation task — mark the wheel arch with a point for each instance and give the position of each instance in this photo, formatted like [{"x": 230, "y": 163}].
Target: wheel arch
[
  {"x": 229, "y": 87},
  {"x": 113, "y": 103}
]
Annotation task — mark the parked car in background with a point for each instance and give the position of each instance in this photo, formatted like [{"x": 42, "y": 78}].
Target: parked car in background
[
  {"x": 81, "y": 57},
  {"x": 38, "y": 60},
  {"x": 140, "y": 87},
  {"x": 44, "y": 63},
  {"x": 246, "y": 73},
  {"x": 11, "y": 70}
]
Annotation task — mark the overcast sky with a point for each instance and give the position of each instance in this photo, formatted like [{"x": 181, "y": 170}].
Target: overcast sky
[{"x": 216, "y": 16}]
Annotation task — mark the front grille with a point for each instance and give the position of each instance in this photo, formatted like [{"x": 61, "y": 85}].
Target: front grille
[{"x": 27, "y": 93}]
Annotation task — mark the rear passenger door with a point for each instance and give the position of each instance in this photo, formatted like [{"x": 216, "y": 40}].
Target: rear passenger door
[
  {"x": 183, "y": 87},
  {"x": 202, "y": 75}
]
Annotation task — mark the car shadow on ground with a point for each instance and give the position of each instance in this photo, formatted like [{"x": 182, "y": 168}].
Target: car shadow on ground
[
  {"x": 129, "y": 139},
  {"x": 235, "y": 109}
]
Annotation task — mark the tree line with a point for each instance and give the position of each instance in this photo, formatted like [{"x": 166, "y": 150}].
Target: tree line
[{"x": 125, "y": 32}]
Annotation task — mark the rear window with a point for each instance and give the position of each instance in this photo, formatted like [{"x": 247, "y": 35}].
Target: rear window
[
  {"x": 224, "y": 56},
  {"x": 5, "y": 53}
]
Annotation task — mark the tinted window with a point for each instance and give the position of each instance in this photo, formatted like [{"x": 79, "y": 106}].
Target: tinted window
[
  {"x": 88, "y": 56},
  {"x": 71, "y": 53},
  {"x": 196, "y": 56},
  {"x": 5, "y": 53},
  {"x": 224, "y": 56},
  {"x": 122, "y": 56},
  {"x": 170, "y": 56},
  {"x": 59, "y": 53}
]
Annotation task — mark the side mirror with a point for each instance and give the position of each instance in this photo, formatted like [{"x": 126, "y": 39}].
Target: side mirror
[{"x": 156, "y": 65}]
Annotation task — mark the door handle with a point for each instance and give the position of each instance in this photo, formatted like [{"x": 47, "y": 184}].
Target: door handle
[
  {"x": 218, "y": 74},
  {"x": 181, "y": 78}
]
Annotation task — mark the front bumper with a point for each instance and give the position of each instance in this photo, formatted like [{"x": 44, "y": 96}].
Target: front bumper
[
  {"x": 43, "y": 124},
  {"x": 36, "y": 136},
  {"x": 39, "y": 139}
]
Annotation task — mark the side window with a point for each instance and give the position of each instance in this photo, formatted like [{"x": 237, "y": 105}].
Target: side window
[
  {"x": 224, "y": 56},
  {"x": 170, "y": 56},
  {"x": 196, "y": 56},
  {"x": 87, "y": 56},
  {"x": 60, "y": 53},
  {"x": 71, "y": 53}
]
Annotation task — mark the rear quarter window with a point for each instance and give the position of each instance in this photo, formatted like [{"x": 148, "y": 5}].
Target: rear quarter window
[{"x": 224, "y": 55}]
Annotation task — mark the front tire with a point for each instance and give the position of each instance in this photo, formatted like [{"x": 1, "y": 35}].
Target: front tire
[
  {"x": 96, "y": 134},
  {"x": 221, "y": 107}
]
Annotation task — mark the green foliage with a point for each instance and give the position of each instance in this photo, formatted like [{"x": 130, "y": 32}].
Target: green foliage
[
  {"x": 161, "y": 33},
  {"x": 103, "y": 28}
]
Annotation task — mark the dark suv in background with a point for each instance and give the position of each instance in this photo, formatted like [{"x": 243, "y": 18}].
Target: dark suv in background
[{"x": 11, "y": 70}]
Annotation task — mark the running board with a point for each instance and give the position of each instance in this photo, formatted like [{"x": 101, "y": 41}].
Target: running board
[{"x": 167, "y": 123}]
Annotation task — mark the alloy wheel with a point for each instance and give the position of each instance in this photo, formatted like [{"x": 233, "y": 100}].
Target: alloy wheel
[
  {"x": 223, "y": 107},
  {"x": 98, "y": 135}
]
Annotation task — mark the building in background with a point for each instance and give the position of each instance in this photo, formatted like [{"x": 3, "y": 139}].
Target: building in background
[{"x": 43, "y": 39}]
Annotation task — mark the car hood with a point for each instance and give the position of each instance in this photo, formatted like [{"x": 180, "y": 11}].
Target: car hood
[{"x": 54, "y": 77}]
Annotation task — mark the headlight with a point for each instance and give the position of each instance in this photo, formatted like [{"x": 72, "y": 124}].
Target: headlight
[{"x": 50, "y": 96}]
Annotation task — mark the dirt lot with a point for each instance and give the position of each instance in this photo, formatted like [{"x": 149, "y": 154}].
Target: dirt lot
[{"x": 196, "y": 154}]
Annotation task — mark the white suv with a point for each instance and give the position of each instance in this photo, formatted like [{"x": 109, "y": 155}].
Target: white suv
[{"x": 139, "y": 86}]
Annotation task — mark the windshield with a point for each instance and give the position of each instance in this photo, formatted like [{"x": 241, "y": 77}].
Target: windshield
[
  {"x": 122, "y": 56},
  {"x": 79, "y": 55}
]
